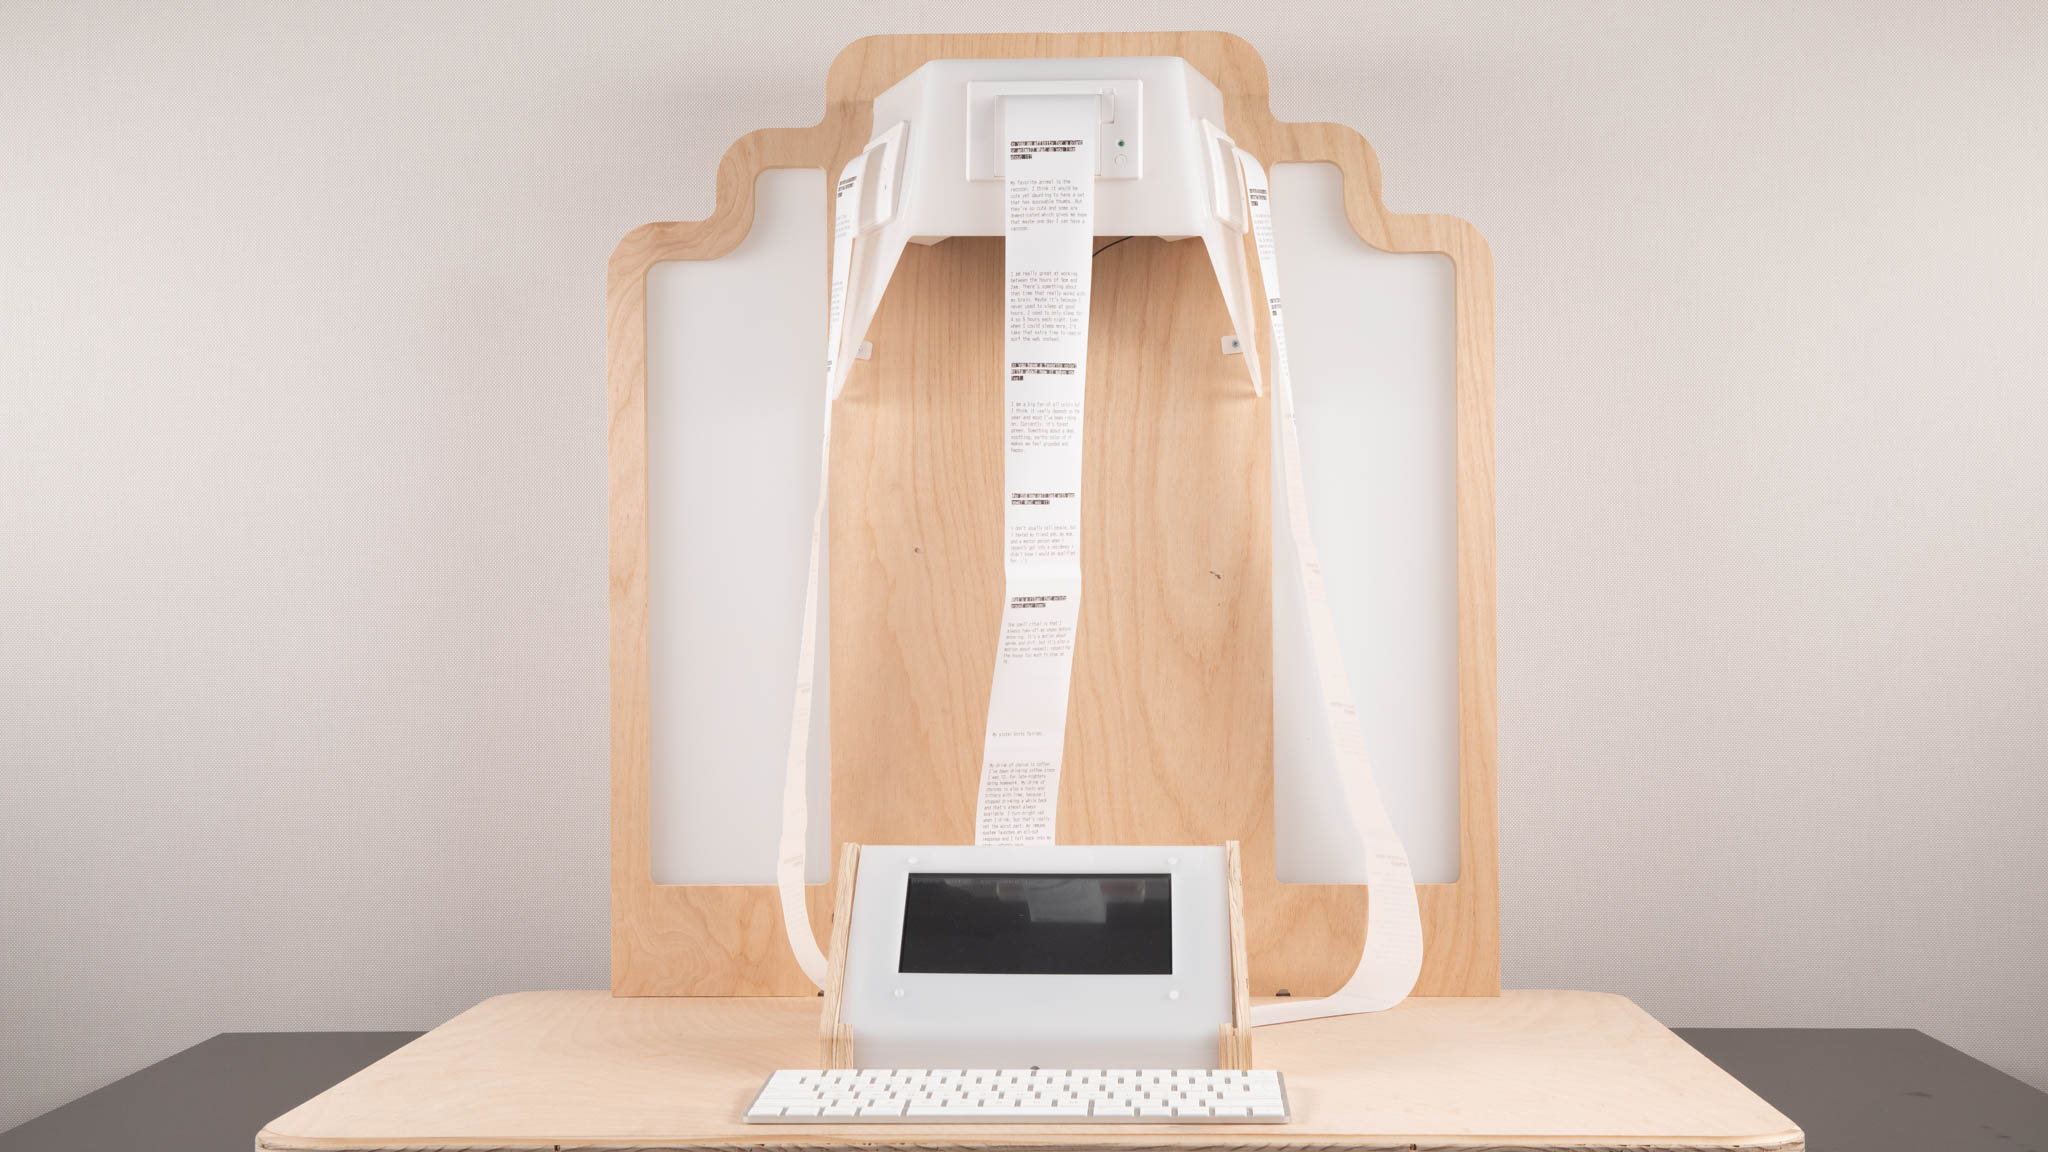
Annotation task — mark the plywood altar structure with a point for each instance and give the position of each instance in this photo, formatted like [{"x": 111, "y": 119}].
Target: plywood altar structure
[{"x": 1170, "y": 737}]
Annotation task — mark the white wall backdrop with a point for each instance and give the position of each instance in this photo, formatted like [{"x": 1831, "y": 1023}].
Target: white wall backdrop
[{"x": 302, "y": 487}]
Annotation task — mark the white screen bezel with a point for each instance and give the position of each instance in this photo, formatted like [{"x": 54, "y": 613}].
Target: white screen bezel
[{"x": 938, "y": 1009}]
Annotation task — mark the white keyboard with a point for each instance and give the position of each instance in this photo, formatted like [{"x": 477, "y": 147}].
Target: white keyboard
[{"x": 1021, "y": 1096}]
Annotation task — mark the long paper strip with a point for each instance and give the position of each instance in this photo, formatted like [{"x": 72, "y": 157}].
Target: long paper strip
[
  {"x": 789, "y": 865},
  {"x": 1392, "y": 957},
  {"x": 1049, "y": 171}
]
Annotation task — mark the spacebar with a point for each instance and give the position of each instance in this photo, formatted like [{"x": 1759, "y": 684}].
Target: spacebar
[{"x": 997, "y": 1113}]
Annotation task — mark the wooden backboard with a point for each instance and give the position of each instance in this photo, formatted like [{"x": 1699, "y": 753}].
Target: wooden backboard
[{"x": 1170, "y": 736}]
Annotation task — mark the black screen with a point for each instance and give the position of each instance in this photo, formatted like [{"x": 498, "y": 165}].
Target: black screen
[{"x": 1057, "y": 923}]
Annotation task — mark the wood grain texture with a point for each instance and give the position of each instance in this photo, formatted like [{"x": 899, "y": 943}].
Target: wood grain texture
[
  {"x": 834, "y": 1038},
  {"x": 1237, "y": 1035},
  {"x": 1170, "y": 727},
  {"x": 585, "y": 1070}
]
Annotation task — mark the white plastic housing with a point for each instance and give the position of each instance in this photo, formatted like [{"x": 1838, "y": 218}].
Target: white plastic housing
[
  {"x": 953, "y": 186},
  {"x": 935, "y": 137},
  {"x": 974, "y": 1020}
]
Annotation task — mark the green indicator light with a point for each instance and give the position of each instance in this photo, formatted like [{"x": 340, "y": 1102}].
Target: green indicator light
[{"x": 1119, "y": 143}]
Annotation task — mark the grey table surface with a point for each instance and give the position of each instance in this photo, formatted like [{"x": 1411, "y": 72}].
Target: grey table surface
[{"x": 1852, "y": 1090}]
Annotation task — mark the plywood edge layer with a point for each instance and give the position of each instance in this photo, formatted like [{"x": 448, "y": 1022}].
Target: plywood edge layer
[{"x": 1047, "y": 1138}]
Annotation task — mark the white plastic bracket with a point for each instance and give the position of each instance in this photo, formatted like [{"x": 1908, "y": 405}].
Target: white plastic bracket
[
  {"x": 881, "y": 190},
  {"x": 1226, "y": 178},
  {"x": 1228, "y": 206}
]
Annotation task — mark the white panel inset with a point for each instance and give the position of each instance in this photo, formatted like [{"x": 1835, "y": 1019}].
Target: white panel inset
[
  {"x": 1370, "y": 338},
  {"x": 734, "y": 408}
]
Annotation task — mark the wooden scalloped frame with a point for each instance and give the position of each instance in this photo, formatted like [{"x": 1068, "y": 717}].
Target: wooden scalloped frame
[{"x": 1170, "y": 730}]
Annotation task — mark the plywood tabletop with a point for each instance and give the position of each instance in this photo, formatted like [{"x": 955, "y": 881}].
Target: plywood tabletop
[{"x": 585, "y": 1070}]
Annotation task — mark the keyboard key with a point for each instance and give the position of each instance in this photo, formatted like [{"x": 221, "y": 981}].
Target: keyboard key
[
  {"x": 1107, "y": 1109},
  {"x": 892, "y": 1108}
]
